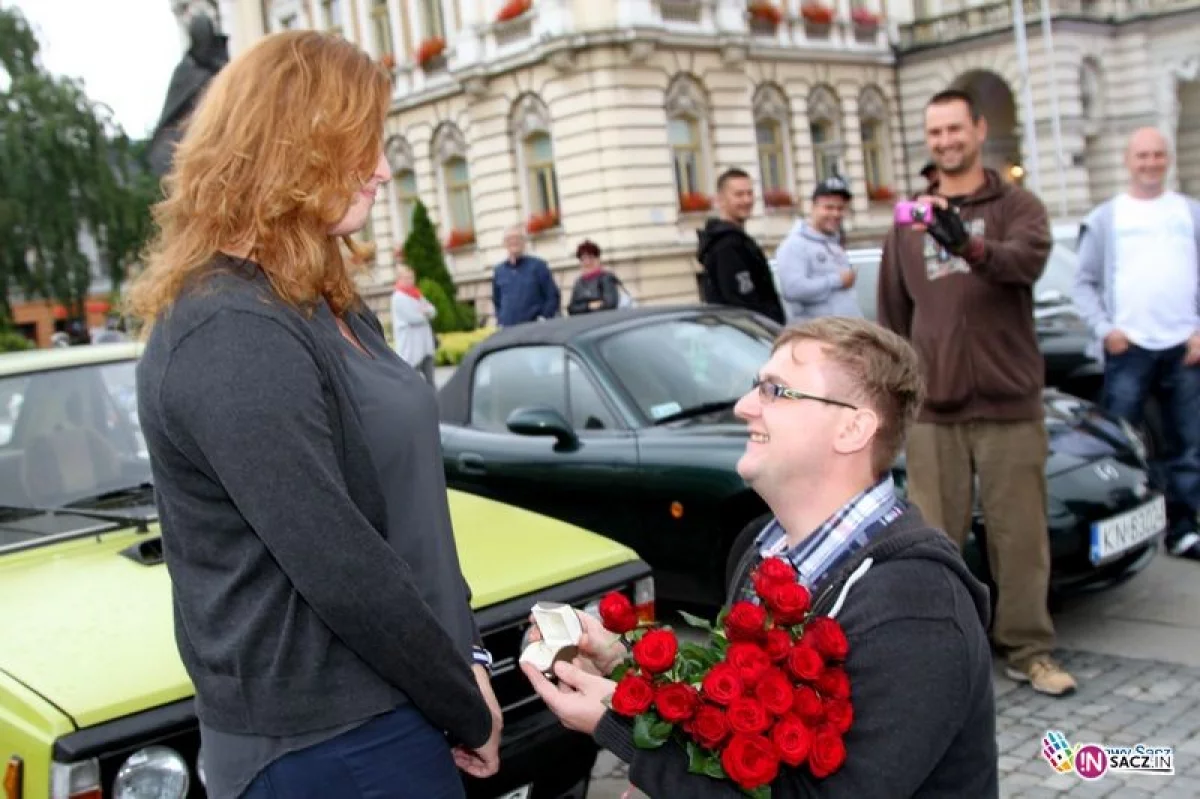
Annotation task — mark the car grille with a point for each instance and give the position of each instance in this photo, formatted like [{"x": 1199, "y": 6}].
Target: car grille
[{"x": 516, "y": 696}]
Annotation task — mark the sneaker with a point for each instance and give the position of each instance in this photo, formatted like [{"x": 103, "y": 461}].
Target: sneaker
[
  {"x": 1185, "y": 544},
  {"x": 1044, "y": 676}
]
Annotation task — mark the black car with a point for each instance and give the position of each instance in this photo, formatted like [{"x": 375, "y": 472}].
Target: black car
[{"x": 621, "y": 422}]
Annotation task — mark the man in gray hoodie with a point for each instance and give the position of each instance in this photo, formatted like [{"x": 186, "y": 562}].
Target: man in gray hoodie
[{"x": 815, "y": 276}]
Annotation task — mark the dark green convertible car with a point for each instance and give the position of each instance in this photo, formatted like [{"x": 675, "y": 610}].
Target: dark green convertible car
[{"x": 622, "y": 422}]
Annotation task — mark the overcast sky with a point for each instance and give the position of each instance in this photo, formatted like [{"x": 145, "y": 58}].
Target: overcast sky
[{"x": 123, "y": 50}]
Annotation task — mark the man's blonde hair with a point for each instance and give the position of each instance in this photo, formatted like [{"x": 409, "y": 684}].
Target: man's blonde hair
[{"x": 878, "y": 368}]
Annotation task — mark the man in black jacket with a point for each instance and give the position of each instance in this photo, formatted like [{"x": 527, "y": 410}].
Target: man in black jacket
[
  {"x": 826, "y": 419},
  {"x": 736, "y": 271}
]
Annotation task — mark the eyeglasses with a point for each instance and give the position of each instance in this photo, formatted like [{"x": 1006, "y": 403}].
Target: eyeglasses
[{"x": 768, "y": 391}]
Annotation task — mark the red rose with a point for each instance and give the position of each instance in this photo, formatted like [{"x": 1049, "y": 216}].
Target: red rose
[
  {"x": 827, "y": 754},
  {"x": 834, "y": 683},
  {"x": 747, "y": 715},
  {"x": 617, "y": 613},
  {"x": 807, "y": 705},
  {"x": 770, "y": 573},
  {"x": 656, "y": 651},
  {"x": 774, "y": 690},
  {"x": 779, "y": 644},
  {"x": 804, "y": 662},
  {"x": 750, "y": 760},
  {"x": 788, "y": 603},
  {"x": 722, "y": 684},
  {"x": 745, "y": 622},
  {"x": 676, "y": 702},
  {"x": 633, "y": 695},
  {"x": 709, "y": 726},
  {"x": 827, "y": 637},
  {"x": 839, "y": 714},
  {"x": 793, "y": 738},
  {"x": 750, "y": 660}
]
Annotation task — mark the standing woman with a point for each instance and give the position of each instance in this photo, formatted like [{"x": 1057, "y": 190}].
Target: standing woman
[
  {"x": 320, "y": 609},
  {"x": 412, "y": 333}
]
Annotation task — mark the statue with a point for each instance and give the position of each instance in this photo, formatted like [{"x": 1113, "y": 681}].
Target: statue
[{"x": 207, "y": 54}]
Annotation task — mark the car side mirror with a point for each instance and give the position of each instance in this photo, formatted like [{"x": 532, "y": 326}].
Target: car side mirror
[{"x": 540, "y": 420}]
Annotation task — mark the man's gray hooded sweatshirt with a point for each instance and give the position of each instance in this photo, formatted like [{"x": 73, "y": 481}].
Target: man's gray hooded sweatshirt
[
  {"x": 920, "y": 670},
  {"x": 810, "y": 266}
]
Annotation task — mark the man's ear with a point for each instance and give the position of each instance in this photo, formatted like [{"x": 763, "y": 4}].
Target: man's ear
[{"x": 858, "y": 433}]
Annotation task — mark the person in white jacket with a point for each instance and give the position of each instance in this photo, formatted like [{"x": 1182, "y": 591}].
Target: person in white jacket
[{"x": 412, "y": 333}]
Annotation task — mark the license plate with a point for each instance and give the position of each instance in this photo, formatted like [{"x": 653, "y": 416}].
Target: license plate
[
  {"x": 519, "y": 793},
  {"x": 1112, "y": 537}
]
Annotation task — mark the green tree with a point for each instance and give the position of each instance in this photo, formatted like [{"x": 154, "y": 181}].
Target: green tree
[
  {"x": 423, "y": 252},
  {"x": 67, "y": 173}
]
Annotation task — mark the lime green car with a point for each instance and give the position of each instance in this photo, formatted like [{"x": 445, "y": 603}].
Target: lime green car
[{"x": 94, "y": 702}]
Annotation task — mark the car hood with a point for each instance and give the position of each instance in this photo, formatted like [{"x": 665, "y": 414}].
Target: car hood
[{"x": 93, "y": 631}]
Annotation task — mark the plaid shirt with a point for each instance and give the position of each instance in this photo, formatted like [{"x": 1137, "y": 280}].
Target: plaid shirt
[{"x": 841, "y": 535}]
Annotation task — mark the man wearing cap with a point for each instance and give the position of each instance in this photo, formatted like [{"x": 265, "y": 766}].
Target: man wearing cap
[{"x": 815, "y": 276}]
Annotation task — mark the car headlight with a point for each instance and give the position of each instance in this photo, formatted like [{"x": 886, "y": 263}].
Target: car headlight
[
  {"x": 156, "y": 772},
  {"x": 1136, "y": 442}
]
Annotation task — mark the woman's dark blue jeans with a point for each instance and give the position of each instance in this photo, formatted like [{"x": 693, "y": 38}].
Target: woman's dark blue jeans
[
  {"x": 1137, "y": 374},
  {"x": 398, "y": 755}
]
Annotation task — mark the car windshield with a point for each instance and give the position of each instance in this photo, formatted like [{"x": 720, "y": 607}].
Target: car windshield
[
  {"x": 673, "y": 368},
  {"x": 70, "y": 437}
]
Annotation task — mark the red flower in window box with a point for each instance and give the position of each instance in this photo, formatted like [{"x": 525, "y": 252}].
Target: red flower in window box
[
  {"x": 880, "y": 193},
  {"x": 460, "y": 238},
  {"x": 539, "y": 222},
  {"x": 513, "y": 9},
  {"x": 864, "y": 18},
  {"x": 694, "y": 202},
  {"x": 763, "y": 11},
  {"x": 816, "y": 13},
  {"x": 430, "y": 49},
  {"x": 388, "y": 61},
  {"x": 778, "y": 198}
]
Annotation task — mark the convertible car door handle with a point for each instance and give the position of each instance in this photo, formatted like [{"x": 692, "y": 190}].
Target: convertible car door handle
[{"x": 470, "y": 463}]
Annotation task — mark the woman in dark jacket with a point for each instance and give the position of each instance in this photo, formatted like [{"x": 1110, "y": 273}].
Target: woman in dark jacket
[
  {"x": 320, "y": 608},
  {"x": 597, "y": 289}
]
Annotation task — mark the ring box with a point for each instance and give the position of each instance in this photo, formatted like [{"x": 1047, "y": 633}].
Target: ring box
[{"x": 561, "y": 631}]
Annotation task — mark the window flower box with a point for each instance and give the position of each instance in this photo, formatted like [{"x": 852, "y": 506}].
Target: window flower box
[
  {"x": 880, "y": 194},
  {"x": 694, "y": 203},
  {"x": 513, "y": 9},
  {"x": 764, "y": 16},
  {"x": 818, "y": 20},
  {"x": 459, "y": 239},
  {"x": 866, "y": 25},
  {"x": 539, "y": 223},
  {"x": 431, "y": 53},
  {"x": 778, "y": 198}
]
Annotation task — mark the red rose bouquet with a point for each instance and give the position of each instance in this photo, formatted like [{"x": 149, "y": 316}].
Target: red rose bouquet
[{"x": 767, "y": 690}]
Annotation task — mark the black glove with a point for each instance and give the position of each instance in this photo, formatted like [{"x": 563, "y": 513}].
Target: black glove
[{"x": 948, "y": 229}]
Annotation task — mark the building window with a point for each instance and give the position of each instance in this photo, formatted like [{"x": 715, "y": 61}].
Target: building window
[
  {"x": 771, "y": 117},
  {"x": 433, "y": 24},
  {"x": 539, "y": 166},
  {"x": 333, "y": 16},
  {"x": 824, "y": 113},
  {"x": 458, "y": 194},
  {"x": 684, "y": 136},
  {"x": 381, "y": 27},
  {"x": 687, "y": 136},
  {"x": 288, "y": 22},
  {"x": 530, "y": 123},
  {"x": 406, "y": 196},
  {"x": 873, "y": 125},
  {"x": 402, "y": 189},
  {"x": 450, "y": 151}
]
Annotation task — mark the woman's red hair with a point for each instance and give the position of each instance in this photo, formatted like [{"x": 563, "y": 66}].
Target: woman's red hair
[{"x": 272, "y": 157}]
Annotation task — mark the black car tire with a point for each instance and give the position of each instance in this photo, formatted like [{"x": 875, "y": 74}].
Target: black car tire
[{"x": 740, "y": 543}]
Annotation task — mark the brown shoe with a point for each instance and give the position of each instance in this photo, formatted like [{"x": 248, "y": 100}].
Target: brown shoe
[{"x": 1044, "y": 675}]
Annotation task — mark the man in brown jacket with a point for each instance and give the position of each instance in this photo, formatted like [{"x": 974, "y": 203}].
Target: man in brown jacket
[{"x": 961, "y": 289}]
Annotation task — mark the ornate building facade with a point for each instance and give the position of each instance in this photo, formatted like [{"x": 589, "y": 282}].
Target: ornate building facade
[{"x": 611, "y": 120}]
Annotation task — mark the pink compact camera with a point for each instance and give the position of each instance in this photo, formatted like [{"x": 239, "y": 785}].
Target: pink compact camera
[{"x": 910, "y": 212}]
